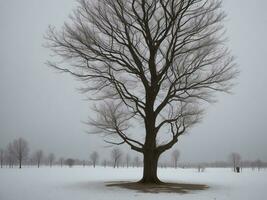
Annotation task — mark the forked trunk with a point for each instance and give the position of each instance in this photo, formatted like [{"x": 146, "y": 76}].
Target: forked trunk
[{"x": 150, "y": 168}]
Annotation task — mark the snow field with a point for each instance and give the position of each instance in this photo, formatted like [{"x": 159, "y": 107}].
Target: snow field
[{"x": 89, "y": 183}]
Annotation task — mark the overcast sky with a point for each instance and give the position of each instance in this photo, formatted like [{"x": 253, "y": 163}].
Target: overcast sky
[{"x": 45, "y": 108}]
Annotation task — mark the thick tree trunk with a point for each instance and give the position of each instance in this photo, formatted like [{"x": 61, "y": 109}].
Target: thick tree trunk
[
  {"x": 151, "y": 155},
  {"x": 150, "y": 168}
]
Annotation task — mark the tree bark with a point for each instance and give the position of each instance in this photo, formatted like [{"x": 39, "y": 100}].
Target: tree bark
[
  {"x": 150, "y": 153},
  {"x": 150, "y": 167}
]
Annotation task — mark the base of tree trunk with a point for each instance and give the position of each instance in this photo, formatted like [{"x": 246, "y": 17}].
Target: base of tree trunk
[{"x": 154, "y": 180}]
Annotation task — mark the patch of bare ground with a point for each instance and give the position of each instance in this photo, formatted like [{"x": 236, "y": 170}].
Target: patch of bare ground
[{"x": 182, "y": 188}]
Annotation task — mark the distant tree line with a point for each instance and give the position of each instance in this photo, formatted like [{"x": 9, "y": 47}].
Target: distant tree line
[{"x": 17, "y": 153}]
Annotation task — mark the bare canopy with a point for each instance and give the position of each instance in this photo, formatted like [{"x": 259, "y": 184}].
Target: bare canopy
[
  {"x": 116, "y": 156},
  {"x": 94, "y": 157},
  {"x": 19, "y": 150},
  {"x": 37, "y": 157},
  {"x": 148, "y": 62},
  {"x": 2, "y": 153},
  {"x": 235, "y": 158}
]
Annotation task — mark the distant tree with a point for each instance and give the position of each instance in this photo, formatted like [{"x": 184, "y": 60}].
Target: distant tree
[
  {"x": 61, "y": 161},
  {"x": 258, "y": 164},
  {"x": 128, "y": 158},
  {"x": 51, "y": 158},
  {"x": 94, "y": 158},
  {"x": 175, "y": 157},
  {"x": 116, "y": 156},
  {"x": 84, "y": 163},
  {"x": 70, "y": 162},
  {"x": 37, "y": 157},
  {"x": 19, "y": 148},
  {"x": 235, "y": 158},
  {"x": 148, "y": 61},
  {"x": 104, "y": 163},
  {"x": 201, "y": 168},
  {"x": 77, "y": 161},
  {"x": 2, "y": 156},
  {"x": 9, "y": 156},
  {"x": 136, "y": 161}
]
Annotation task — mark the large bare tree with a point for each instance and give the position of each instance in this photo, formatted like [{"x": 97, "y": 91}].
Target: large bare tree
[
  {"x": 148, "y": 62},
  {"x": 19, "y": 149}
]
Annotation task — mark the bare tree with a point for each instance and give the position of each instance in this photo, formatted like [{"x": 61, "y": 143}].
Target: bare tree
[
  {"x": 37, "y": 157},
  {"x": 19, "y": 149},
  {"x": 9, "y": 156},
  {"x": 94, "y": 158},
  {"x": 147, "y": 61},
  {"x": 84, "y": 163},
  {"x": 128, "y": 158},
  {"x": 61, "y": 161},
  {"x": 104, "y": 163},
  {"x": 175, "y": 157},
  {"x": 116, "y": 156},
  {"x": 51, "y": 158},
  {"x": 136, "y": 161},
  {"x": 2, "y": 156},
  {"x": 235, "y": 158},
  {"x": 259, "y": 164},
  {"x": 70, "y": 162}
]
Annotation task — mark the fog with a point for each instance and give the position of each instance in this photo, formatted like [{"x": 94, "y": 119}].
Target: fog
[{"x": 45, "y": 108}]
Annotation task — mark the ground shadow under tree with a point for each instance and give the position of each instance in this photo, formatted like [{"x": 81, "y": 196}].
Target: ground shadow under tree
[{"x": 182, "y": 188}]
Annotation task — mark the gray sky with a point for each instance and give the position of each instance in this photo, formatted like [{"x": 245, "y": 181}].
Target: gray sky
[{"x": 45, "y": 108}]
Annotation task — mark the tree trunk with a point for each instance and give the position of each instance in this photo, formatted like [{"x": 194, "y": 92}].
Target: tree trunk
[
  {"x": 20, "y": 163},
  {"x": 150, "y": 168}
]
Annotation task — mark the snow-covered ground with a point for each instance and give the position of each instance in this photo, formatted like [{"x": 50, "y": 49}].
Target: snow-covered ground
[{"x": 88, "y": 183}]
